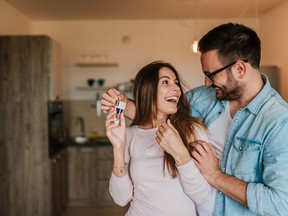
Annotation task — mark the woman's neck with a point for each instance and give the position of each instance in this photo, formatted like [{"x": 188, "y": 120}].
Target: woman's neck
[{"x": 155, "y": 123}]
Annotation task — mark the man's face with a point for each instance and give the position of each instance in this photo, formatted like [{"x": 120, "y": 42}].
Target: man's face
[{"x": 223, "y": 81}]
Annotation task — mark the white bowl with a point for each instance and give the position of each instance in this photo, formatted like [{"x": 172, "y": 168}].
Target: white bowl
[{"x": 81, "y": 140}]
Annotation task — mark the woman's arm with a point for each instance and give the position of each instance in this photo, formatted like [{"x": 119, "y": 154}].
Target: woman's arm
[
  {"x": 193, "y": 183},
  {"x": 120, "y": 185}
]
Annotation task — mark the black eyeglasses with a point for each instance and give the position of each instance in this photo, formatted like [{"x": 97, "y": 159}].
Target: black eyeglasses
[{"x": 210, "y": 75}]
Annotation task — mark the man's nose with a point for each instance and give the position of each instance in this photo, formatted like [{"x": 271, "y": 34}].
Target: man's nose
[{"x": 207, "y": 81}]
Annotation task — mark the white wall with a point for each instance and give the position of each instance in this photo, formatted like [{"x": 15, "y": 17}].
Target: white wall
[
  {"x": 12, "y": 22},
  {"x": 151, "y": 40},
  {"x": 274, "y": 35}
]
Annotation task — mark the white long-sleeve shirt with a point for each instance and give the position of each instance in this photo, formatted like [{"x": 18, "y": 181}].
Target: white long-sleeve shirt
[{"x": 150, "y": 191}]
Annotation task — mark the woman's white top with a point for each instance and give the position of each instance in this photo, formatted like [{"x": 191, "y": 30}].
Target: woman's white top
[{"x": 152, "y": 191}]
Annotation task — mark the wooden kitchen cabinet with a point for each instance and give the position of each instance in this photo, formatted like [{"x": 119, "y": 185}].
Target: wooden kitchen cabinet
[
  {"x": 28, "y": 73},
  {"x": 59, "y": 182},
  {"x": 104, "y": 167},
  {"x": 82, "y": 173},
  {"x": 89, "y": 170}
]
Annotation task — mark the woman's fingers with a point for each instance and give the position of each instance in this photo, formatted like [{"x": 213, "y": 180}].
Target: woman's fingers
[{"x": 122, "y": 120}]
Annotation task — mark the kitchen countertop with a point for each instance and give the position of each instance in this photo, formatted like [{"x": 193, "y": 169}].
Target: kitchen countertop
[
  {"x": 101, "y": 141},
  {"x": 91, "y": 143}
]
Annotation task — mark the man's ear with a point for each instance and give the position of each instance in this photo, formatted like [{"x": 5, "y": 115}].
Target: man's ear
[{"x": 241, "y": 69}]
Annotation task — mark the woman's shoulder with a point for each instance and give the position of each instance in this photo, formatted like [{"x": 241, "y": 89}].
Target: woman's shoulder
[
  {"x": 130, "y": 133},
  {"x": 132, "y": 130},
  {"x": 137, "y": 135},
  {"x": 135, "y": 130}
]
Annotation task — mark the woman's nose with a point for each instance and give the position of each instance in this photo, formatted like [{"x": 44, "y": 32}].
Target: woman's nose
[{"x": 176, "y": 87}]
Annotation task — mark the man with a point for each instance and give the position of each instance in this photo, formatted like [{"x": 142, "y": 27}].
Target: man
[{"x": 248, "y": 123}]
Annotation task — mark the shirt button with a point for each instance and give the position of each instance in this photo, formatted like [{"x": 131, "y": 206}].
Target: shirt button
[
  {"x": 227, "y": 143},
  {"x": 220, "y": 193},
  {"x": 223, "y": 169},
  {"x": 241, "y": 148},
  {"x": 236, "y": 120}
]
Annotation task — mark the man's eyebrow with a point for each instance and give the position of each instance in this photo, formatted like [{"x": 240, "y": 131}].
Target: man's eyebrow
[{"x": 206, "y": 71}]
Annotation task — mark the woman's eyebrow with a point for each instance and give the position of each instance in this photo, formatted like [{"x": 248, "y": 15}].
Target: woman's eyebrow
[{"x": 165, "y": 77}]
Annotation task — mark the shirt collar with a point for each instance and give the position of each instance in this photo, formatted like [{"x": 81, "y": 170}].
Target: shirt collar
[{"x": 255, "y": 105}]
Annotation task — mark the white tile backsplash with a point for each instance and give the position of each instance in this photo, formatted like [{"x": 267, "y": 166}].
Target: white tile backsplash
[{"x": 86, "y": 109}]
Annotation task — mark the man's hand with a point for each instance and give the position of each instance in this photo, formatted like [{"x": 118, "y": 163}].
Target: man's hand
[
  {"x": 206, "y": 160},
  {"x": 204, "y": 156},
  {"x": 110, "y": 97}
]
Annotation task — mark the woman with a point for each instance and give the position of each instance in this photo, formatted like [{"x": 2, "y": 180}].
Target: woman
[{"x": 156, "y": 174}]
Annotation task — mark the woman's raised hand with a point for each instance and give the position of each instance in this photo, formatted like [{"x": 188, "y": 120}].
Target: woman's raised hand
[{"x": 116, "y": 133}]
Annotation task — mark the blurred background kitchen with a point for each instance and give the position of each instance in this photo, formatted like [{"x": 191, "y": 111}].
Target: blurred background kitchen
[{"x": 58, "y": 57}]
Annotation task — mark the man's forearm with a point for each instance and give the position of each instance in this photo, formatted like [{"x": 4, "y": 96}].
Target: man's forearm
[
  {"x": 130, "y": 109},
  {"x": 230, "y": 186}
]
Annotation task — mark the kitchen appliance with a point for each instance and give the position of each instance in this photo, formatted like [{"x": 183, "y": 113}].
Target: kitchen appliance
[{"x": 56, "y": 129}]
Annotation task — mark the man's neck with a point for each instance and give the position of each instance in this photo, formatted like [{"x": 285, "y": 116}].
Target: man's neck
[{"x": 250, "y": 92}]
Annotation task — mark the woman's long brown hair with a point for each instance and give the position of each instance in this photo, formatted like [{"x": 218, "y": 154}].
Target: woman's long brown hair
[{"x": 145, "y": 95}]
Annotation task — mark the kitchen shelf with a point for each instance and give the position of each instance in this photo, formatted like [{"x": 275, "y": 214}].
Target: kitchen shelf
[
  {"x": 97, "y": 64},
  {"x": 87, "y": 88}
]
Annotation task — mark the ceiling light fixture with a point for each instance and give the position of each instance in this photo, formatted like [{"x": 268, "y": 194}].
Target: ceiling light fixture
[{"x": 194, "y": 46}]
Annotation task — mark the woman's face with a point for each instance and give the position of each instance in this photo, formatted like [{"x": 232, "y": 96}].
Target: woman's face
[{"x": 168, "y": 93}]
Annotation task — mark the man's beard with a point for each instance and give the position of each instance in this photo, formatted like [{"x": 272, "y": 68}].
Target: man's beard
[{"x": 232, "y": 90}]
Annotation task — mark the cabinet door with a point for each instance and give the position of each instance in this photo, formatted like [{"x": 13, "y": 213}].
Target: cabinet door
[
  {"x": 104, "y": 164},
  {"x": 56, "y": 202},
  {"x": 59, "y": 183},
  {"x": 63, "y": 179},
  {"x": 89, "y": 171},
  {"x": 82, "y": 175}
]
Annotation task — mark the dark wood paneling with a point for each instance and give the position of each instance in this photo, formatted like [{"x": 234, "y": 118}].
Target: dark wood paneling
[
  {"x": 89, "y": 171},
  {"x": 25, "y": 169},
  {"x": 25, "y": 63}
]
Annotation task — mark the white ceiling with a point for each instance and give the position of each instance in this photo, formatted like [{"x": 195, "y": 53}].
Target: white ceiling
[{"x": 141, "y": 9}]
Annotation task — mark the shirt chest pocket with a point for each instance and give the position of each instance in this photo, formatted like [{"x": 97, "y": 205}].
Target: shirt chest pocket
[{"x": 245, "y": 159}]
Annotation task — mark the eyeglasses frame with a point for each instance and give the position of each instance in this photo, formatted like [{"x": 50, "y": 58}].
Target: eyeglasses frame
[{"x": 209, "y": 75}]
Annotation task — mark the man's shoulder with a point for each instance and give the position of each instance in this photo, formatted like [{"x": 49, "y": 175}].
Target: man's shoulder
[
  {"x": 202, "y": 101},
  {"x": 201, "y": 93},
  {"x": 275, "y": 108}
]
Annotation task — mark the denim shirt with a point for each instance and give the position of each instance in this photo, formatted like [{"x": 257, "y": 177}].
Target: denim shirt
[{"x": 256, "y": 150}]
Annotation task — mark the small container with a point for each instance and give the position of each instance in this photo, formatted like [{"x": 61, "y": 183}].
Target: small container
[
  {"x": 94, "y": 134},
  {"x": 101, "y": 82},
  {"x": 120, "y": 107},
  {"x": 90, "y": 82}
]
